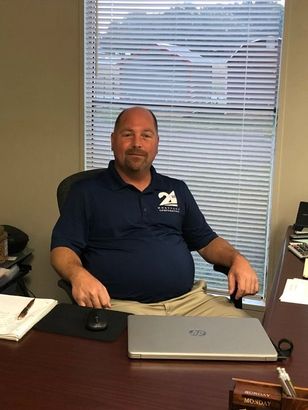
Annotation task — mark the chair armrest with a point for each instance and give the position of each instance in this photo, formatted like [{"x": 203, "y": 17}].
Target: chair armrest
[
  {"x": 221, "y": 268},
  {"x": 65, "y": 285},
  {"x": 238, "y": 303}
]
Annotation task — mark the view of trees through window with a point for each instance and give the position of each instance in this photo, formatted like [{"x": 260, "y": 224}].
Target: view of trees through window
[{"x": 209, "y": 70}]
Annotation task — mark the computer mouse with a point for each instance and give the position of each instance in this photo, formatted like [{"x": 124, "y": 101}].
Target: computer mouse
[{"x": 96, "y": 320}]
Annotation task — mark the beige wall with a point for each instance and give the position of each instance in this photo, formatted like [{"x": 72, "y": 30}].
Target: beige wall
[
  {"x": 290, "y": 186},
  {"x": 40, "y": 120}
]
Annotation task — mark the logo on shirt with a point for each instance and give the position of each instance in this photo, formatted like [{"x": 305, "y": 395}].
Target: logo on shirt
[
  {"x": 169, "y": 202},
  {"x": 170, "y": 199}
]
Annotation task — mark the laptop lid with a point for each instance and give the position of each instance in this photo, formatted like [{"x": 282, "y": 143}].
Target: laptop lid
[{"x": 203, "y": 338}]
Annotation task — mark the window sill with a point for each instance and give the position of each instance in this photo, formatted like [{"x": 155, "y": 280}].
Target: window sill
[
  {"x": 254, "y": 304},
  {"x": 249, "y": 303}
]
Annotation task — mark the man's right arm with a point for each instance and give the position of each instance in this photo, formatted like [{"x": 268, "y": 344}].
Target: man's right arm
[{"x": 86, "y": 289}]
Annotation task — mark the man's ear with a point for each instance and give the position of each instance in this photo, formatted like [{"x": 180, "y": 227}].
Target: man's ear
[{"x": 111, "y": 140}]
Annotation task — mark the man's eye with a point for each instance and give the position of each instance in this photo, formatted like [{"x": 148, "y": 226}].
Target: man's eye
[
  {"x": 148, "y": 135},
  {"x": 126, "y": 134}
]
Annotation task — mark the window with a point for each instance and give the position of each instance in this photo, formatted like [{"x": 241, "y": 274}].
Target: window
[{"x": 209, "y": 71}]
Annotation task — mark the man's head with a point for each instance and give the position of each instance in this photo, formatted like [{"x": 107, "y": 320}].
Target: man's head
[{"x": 134, "y": 141}]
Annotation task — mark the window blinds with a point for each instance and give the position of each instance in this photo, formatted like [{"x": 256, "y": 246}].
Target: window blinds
[{"x": 209, "y": 71}]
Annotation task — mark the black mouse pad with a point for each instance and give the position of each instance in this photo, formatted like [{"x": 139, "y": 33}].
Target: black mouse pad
[{"x": 68, "y": 319}]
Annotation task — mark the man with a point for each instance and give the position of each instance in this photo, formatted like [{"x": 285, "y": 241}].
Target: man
[{"x": 124, "y": 237}]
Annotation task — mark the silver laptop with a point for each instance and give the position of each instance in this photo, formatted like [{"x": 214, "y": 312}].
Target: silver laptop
[{"x": 203, "y": 338}]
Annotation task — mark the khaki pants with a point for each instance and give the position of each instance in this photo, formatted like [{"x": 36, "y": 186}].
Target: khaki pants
[{"x": 194, "y": 303}]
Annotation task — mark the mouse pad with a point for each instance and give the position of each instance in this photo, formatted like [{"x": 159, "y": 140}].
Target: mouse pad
[{"x": 70, "y": 320}]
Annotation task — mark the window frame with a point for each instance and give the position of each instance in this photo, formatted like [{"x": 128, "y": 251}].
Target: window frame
[{"x": 90, "y": 71}]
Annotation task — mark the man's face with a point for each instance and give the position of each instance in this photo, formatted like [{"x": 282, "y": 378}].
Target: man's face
[{"x": 135, "y": 141}]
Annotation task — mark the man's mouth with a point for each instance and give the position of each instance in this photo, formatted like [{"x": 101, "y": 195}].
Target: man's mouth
[{"x": 136, "y": 153}]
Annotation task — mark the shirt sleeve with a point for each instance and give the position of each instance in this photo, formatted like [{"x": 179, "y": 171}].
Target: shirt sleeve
[
  {"x": 71, "y": 229},
  {"x": 196, "y": 231}
]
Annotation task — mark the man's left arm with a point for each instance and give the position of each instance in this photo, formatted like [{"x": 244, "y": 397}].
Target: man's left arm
[{"x": 241, "y": 275}]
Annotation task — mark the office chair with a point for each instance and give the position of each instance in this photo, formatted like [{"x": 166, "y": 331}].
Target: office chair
[
  {"x": 62, "y": 191},
  {"x": 65, "y": 185}
]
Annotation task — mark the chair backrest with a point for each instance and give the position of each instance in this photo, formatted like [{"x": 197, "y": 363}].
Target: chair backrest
[
  {"x": 65, "y": 185},
  {"x": 62, "y": 192}
]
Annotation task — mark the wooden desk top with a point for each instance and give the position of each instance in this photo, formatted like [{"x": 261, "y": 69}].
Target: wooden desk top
[
  {"x": 49, "y": 371},
  {"x": 289, "y": 320}
]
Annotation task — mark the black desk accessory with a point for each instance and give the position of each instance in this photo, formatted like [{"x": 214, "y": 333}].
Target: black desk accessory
[
  {"x": 21, "y": 259},
  {"x": 302, "y": 217},
  {"x": 17, "y": 239},
  {"x": 70, "y": 320},
  {"x": 96, "y": 320},
  {"x": 17, "y": 258}
]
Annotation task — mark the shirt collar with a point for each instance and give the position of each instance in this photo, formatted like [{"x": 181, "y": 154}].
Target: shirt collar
[{"x": 116, "y": 182}]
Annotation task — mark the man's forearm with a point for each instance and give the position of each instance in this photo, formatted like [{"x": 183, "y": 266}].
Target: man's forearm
[
  {"x": 219, "y": 251},
  {"x": 241, "y": 276},
  {"x": 66, "y": 262},
  {"x": 86, "y": 289}
]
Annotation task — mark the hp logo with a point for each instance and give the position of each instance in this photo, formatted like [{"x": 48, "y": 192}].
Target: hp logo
[{"x": 197, "y": 332}]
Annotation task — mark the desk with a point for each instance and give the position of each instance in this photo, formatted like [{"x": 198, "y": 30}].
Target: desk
[
  {"x": 289, "y": 320},
  {"x": 49, "y": 371}
]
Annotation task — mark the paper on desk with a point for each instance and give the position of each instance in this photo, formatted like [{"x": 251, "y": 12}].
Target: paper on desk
[
  {"x": 11, "y": 328},
  {"x": 295, "y": 291}
]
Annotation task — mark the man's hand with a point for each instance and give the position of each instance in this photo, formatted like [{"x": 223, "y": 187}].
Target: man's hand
[
  {"x": 88, "y": 291},
  {"x": 242, "y": 277}
]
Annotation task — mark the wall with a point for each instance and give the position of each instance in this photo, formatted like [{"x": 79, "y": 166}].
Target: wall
[
  {"x": 40, "y": 73},
  {"x": 292, "y": 143},
  {"x": 40, "y": 121}
]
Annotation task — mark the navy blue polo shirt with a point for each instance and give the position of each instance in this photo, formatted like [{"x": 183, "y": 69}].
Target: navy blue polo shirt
[{"x": 136, "y": 243}]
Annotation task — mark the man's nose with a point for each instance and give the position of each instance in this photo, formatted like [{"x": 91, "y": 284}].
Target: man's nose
[{"x": 137, "y": 141}]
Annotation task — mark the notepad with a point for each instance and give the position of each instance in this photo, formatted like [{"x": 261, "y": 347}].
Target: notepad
[
  {"x": 295, "y": 291},
  {"x": 12, "y": 328}
]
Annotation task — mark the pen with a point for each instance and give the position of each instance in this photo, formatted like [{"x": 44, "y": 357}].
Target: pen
[
  {"x": 25, "y": 310},
  {"x": 289, "y": 383},
  {"x": 286, "y": 383}
]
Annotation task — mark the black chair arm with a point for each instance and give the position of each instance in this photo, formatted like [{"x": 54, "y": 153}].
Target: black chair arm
[
  {"x": 65, "y": 285},
  {"x": 238, "y": 303}
]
